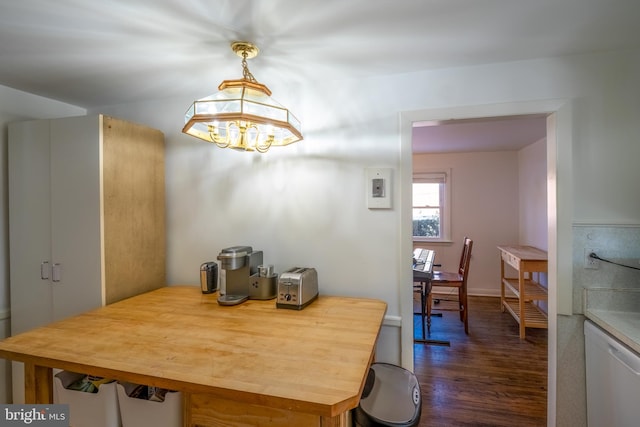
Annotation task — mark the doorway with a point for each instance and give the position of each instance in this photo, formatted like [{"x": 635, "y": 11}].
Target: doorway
[
  {"x": 559, "y": 204},
  {"x": 489, "y": 165},
  {"x": 496, "y": 168}
]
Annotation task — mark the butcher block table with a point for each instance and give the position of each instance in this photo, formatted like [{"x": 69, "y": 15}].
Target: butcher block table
[{"x": 250, "y": 364}]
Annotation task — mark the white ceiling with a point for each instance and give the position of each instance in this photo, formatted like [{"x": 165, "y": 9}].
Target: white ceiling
[
  {"x": 483, "y": 134},
  {"x": 91, "y": 53}
]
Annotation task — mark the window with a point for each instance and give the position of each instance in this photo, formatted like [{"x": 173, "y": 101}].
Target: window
[{"x": 431, "y": 211}]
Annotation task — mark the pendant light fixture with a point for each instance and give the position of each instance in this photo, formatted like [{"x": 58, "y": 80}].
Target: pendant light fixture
[{"x": 242, "y": 114}]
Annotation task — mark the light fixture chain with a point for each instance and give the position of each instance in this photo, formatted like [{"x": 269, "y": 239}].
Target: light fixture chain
[{"x": 246, "y": 74}]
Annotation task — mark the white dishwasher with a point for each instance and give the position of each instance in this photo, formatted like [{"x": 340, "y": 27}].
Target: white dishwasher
[{"x": 613, "y": 380}]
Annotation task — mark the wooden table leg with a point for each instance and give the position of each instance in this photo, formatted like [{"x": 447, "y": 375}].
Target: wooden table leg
[
  {"x": 186, "y": 409},
  {"x": 341, "y": 420},
  {"x": 522, "y": 302},
  {"x": 38, "y": 384}
]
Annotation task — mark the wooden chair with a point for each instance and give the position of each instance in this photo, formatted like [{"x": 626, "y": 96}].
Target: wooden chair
[{"x": 454, "y": 280}]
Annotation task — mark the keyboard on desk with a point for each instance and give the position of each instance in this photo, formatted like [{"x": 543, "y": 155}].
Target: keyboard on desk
[{"x": 422, "y": 264}]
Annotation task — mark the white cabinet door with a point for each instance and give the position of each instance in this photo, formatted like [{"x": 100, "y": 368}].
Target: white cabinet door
[
  {"x": 29, "y": 233},
  {"x": 55, "y": 217},
  {"x": 76, "y": 215},
  {"x": 30, "y": 230}
]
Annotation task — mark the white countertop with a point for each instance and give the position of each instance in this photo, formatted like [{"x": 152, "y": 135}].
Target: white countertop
[{"x": 624, "y": 325}]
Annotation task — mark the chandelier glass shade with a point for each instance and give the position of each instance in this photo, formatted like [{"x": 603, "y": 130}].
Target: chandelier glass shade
[{"x": 242, "y": 115}]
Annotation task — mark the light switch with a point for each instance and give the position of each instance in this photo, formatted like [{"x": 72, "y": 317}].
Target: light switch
[{"x": 378, "y": 188}]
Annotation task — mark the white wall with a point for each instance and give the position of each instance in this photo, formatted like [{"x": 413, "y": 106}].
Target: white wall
[
  {"x": 484, "y": 207},
  {"x": 532, "y": 190}
]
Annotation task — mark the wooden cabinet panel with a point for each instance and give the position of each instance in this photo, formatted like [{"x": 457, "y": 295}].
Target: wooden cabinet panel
[
  {"x": 207, "y": 410},
  {"x": 134, "y": 209}
]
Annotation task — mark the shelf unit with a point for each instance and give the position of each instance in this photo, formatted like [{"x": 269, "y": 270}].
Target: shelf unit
[{"x": 519, "y": 295}]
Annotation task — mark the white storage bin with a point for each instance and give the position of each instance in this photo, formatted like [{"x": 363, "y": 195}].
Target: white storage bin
[
  {"x": 87, "y": 409},
  {"x": 147, "y": 413}
]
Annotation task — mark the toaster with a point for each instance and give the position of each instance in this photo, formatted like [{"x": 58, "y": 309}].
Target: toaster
[{"x": 297, "y": 288}]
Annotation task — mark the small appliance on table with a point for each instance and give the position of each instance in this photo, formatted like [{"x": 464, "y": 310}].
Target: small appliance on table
[
  {"x": 243, "y": 277},
  {"x": 297, "y": 288},
  {"x": 237, "y": 264},
  {"x": 209, "y": 277}
]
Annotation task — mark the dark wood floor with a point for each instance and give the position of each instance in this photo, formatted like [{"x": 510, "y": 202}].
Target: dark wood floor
[{"x": 488, "y": 378}]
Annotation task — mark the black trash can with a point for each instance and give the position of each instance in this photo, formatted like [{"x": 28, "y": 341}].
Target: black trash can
[{"x": 391, "y": 398}]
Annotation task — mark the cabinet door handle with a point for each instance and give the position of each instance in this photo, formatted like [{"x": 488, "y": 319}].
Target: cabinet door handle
[
  {"x": 55, "y": 272},
  {"x": 44, "y": 270}
]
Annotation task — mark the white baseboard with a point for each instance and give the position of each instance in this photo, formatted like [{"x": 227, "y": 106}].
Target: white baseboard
[{"x": 395, "y": 321}]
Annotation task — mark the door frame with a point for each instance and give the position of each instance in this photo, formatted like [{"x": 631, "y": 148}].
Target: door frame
[{"x": 559, "y": 216}]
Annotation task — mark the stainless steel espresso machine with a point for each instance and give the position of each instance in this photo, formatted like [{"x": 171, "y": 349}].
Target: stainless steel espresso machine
[{"x": 237, "y": 266}]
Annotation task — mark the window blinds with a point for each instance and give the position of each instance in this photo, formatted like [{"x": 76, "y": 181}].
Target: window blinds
[{"x": 430, "y": 177}]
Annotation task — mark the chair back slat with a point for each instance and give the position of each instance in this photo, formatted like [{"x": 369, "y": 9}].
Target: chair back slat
[{"x": 465, "y": 258}]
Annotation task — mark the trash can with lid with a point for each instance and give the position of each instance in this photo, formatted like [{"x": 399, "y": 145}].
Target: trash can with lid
[{"x": 391, "y": 398}]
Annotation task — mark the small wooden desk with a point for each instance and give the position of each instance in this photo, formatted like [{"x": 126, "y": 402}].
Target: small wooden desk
[
  {"x": 236, "y": 366},
  {"x": 422, "y": 274}
]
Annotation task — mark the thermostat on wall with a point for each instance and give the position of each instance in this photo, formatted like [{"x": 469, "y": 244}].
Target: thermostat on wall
[{"x": 378, "y": 188}]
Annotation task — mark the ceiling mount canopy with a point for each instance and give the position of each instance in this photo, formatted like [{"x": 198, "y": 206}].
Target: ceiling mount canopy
[{"x": 242, "y": 114}]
